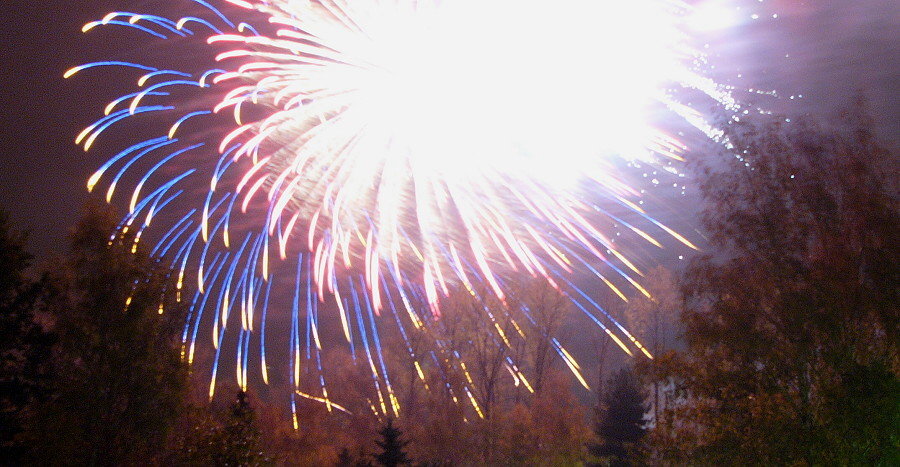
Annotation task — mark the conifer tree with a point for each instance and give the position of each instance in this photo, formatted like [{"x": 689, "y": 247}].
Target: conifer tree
[
  {"x": 241, "y": 437},
  {"x": 392, "y": 453},
  {"x": 225, "y": 438},
  {"x": 620, "y": 421},
  {"x": 345, "y": 459}
]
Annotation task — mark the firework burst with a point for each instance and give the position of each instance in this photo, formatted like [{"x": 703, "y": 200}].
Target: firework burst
[{"x": 390, "y": 151}]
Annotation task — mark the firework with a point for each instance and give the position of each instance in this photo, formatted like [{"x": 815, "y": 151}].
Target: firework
[{"x": 390, "y": 151}]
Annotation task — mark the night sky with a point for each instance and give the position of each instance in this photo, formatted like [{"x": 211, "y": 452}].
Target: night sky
[{"x": 824, "y": 49}]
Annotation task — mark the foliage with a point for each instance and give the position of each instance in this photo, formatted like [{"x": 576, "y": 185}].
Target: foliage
[
  {"x": 24, "y": 343},
  {"x": 654, "y": 321},
  {"x": 792, "y": 327},
  {"x": 345, "y": 459},
  {"x": 117, "y": 392},
  {"x": 547, "y": 428},
  {"x": 475, "y": 406},
  {"x": 241, "y": 436},
  {"x": 119, "y": 381},
  {"x": 229, "y": 439}
]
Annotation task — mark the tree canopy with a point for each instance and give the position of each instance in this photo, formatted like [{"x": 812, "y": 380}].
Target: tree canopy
[
  {"x": 119, "y": 381},
  {"x": 791, "y": 322},
  {"x": 25, "y": 344}
]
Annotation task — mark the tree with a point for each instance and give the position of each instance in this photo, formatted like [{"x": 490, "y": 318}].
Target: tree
[
  {"x": 547, "y": 428},
  {"x": 24, "y": 343},
  {"x": 345, "y": 459},
  {"x": 222, "y": 436},
  {"x": 471, "y": 359},
  {"x": 392, "y": 453},
  {"x": 491, "y": 390},
  {"x": 654, "y": 321},
  {"x": 791, "y": 327},
  {"x": 239, "y": 440},
  {"x": 620, "y": 421},
  {"x": 544, "y": 310},
  {"x": 119, "y": 382}
]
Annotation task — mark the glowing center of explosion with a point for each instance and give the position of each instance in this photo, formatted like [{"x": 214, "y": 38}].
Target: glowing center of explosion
[{"x": 527, "y": 89}]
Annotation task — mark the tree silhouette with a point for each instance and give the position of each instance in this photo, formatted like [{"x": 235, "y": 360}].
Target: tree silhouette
[
  {"x": 226, "y": 438},
  {"x": 24, "y": 343},
  {"x": 119, "y": 381},
  {"x": 654, "y": 321},
  {"x": 240, "y": 436},
  {"x": 345, "y": 459},
  {"x": 392, "y": 453},
  {"x": 620, "y": 422}
]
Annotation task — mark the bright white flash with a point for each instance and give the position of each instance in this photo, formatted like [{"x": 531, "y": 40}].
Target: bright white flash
[
  {"x": 541, "y": 88},
  {"x": 416, "y": 129},
  {"x": 521, "y": 85},
  {"x": 546, "y": 88}
]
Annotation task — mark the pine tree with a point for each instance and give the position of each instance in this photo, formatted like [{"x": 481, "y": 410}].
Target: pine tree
[
  {"x": 240, "y": 436},
  {"x": 224, "y": 438},
  {"x": 620, "y": 421},
  {"x": 392, "y": 453}
]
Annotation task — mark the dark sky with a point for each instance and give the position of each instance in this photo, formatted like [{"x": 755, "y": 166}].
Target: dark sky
[
  {"x": 834, "y": 48},
  {"x": 42, "y": 172}
]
